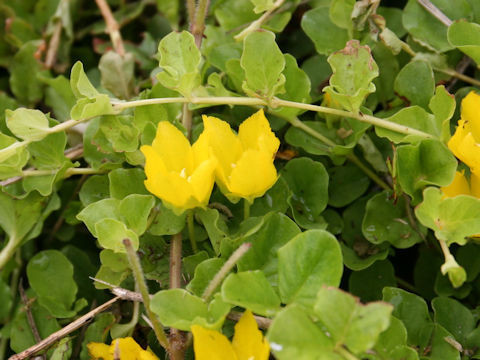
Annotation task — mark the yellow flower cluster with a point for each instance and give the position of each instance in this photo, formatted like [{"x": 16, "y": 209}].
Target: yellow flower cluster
[
  {"x": 123, "y": 349},
  {"x": 182, "y": 175},
  {"x": 465, "y": 145},
  {"x": 248, "y": 342}
]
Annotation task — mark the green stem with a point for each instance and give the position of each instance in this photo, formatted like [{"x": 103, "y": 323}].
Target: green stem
[
  {"x": 225, "y": 269},
  {"x": 246, "y": 209},
  {"x": 345, "y": 353},
  {"x": 458, "y": 75},
  {"x": 199, "y": 22},
  {"x": 191, "y": 12},
  {"x": 142, "y": 286},
  {"x": 8, "y": 251},
  {"x": 191, "y": 230}
]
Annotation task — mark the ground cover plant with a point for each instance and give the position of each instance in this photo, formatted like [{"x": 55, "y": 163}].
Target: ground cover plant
[{"x": 239, "y": 179}]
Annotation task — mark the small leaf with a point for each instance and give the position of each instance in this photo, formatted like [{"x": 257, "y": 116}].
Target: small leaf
[
  {"x": 386, "y": 220},
  {"x": 341, "y": 13},
  {"x": 263, "y": 63},
  {"x": 91, "y": 107},
  {"x": 346, "y": 184},
  {"x": 204, "y": 273},
  {"x": 326, "y": 36},
  {"x": 124, "y": 182},
  {"x": 454, "y": 317},
  {"x": 12, "y": 157},
  {"x": 178, "y": 309},
  {"x": 27, "y": 124},
  {"x": 111, "y": 234},
  {"x": 353, "y": 72},
  {"x": 443, "y": 106},
  {"x": 429, "y": 162},
  {"x": 369, "y": 283},
  {"x": 429, "y": 31},
  {"x": 464, "y": 36},
  {"x": 416, "y": 83},
  {"x": 180, "y": 60},
  {"x": 349, "y": 322},
  {"x": 413, "y": 311},
  {"x": 52, "y": 267},
  {"x": 81, "y": 85},
  {"x": 118, "y": 74},
  {"x": 251, "y": 290},
  {"x": 308, "y": 182},
  {"x": 293, "y": 335},
  {"x": 452, "y": 219},
  {"x": 306, "y": 263},
  {"x": 262, "y": 5}
]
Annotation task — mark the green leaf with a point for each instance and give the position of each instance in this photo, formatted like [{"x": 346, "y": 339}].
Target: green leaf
[
  {"x": 346, "y": 184},
  {"x": 232, "y": 14},
  {"x": 262, "y": 5},
  {"x": 12, "y": 160},
  {"x": 369, "y": 283},
  {"x": 251, "y": 290},
  {"x": 124, "y": 182},
  {"x": 416, "y": 83},
  {"x": 91, "y": 107},
  {"x": 392, "y": 343},
  {"x": 454, "y": 317},
  {"x": 293, "y": 335},
  {"x": 7, "y": 301},
  {"x": 429, "y": 31},
  {"x": 326, "y": 36},
  {"x": 349, "y": 322},
  {"x": 94, "y": 189},
  {"x": 80, "y": 84},
  {"x": 118, "y": 74},
  {"x": 24, "y": 69},
  {"x": 59, "y": 96},
  {"x": 63, "y": 349},
  {"x": 167, "y": 222},
  {"x": 414, "y": 117},
  {"x": 21, "y": 335},
  {"x": 274, "y": 200},
  {"x": 386, "y": 220},
  {"x": 308, "y": 183},
  {"x": 353, "y": 72},
  {"x": 215, "y": 226},
  {"x": 111, "y": 234},
  {"x": 204, "y": 273},
  {"x": 177, "y": 308},
  {"x": 443, "y": 106},
  {"x": 275, "y": 232},
  {"x": 48, "y": 153},
  {"x": 413, "y": 311},
  {"x": 97, "y": 332},
  {"x": 52, "y": 267},
  {"x": 439, "y": 347},
  {"x": 120, "y": 132},
  {"x": 341, "y": 13},
  {"x": 27, "y": 124},
  {"x": 428, "y": 162},
  {"x": 464, "y": 36},
  {"x": 308, "y": 261},
  {"x": 180, "y": 60},
  {"x": 452, "y": 219},
  {"x": 263, "y": 63}
]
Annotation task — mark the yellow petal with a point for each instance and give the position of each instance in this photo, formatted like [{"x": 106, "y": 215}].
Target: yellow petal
[
  {"x": 468, "y": 150},
  {"x": 475, "y": 184},
  {"x": 211, "y": 345},
  {"x": 253, "y": 175},
  {"x": 456, "y": 140},
  {"x": 202, "y": 181},
  {"x": 248, "y": 342},
  {"x": 154, "y": 165},
  {"x": 224, "y": 143},
  {"x": 255, "y": 134},
  {"x": 127, "y": 347},
  {"x": 471, "y": 113},
  {"x": 459, "y": 186},
  {"x": 173, "y": 147},
  {"x": 99, "y": 351}
]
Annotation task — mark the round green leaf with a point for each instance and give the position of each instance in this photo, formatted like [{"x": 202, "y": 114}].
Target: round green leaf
[
  {"x": 416, "y": 82},
  {"x": 347, "y": 183},
  {"x": 306, "y": 263}
]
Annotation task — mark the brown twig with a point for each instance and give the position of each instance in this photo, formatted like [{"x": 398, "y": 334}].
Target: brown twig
[
  {"x": 112, "y": 27},
  {"x": 53, "y": 338},
  {"x": 263, "y": 322},
  {"x": 432, "y": 9},
  {"x": 460, "y": 68},
  {"x": 53, "y": 45},
  {"x": 176, "y": 338},
  {"x": 199, "y": 22},
  {"x": 31, "y": 321}
]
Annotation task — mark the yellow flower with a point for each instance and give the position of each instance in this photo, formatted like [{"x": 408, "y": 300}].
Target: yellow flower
[
  {"x": 248, "y": 342},
  {"x": 123, "y": 349},
  {"x": 245, "y": 161},
  {"x": 460, "y": 186},
  {"x": 179, "y": 174},
  {"x": 465, "y": 143}
]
